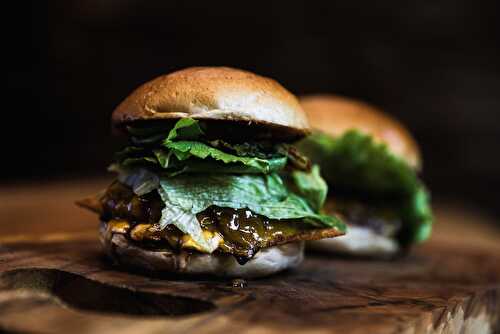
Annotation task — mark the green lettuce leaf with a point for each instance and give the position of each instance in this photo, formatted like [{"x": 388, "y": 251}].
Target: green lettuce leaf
[
  {"x": 417, "y": 212},
  {"x": 354, "y": 162},
  {"x": 266, "y": 195},
  {"x": 311, "y": 186},
  {"x": 184, "y": 151},
  {"x": 169, "y": 161},
  {"x": 189, "y": 131},
  {"x": 185, "y": 129}
]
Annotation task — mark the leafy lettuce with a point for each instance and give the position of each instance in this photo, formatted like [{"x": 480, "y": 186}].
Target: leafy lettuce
[
  {"x": 192, "y": 173},
  {"x": 183, "y": 150},
  {"x": 354, "y": 162},
  {"x": 311, "y": 186},
  {"x": 266, "y": 195}
]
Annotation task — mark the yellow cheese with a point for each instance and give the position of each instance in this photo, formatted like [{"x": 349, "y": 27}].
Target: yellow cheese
[
  {"x": 145, "y": 231},
  {"x": 142, "y": 232},
  {"x": 214, "y": 239},
  {"x": 118, "y": 226}
]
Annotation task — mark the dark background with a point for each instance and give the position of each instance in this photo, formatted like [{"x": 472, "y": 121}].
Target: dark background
[{"x": 432, "y": 64}]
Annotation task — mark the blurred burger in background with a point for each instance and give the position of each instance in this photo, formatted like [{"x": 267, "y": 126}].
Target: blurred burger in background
[{"x": 371, "y": 163}]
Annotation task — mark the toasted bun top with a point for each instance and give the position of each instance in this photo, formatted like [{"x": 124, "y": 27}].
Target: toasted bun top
[
  {"x": 335, "y": 115},
  {"x": 215, "y": 93}
]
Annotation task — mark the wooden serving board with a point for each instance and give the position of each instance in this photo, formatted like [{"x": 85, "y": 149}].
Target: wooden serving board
[{"x": 54, "y": 279}]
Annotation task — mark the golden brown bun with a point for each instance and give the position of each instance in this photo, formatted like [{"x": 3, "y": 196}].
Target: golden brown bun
[
  {"x": 214, "y": 93},
  {"x": 335, "y": 115}
]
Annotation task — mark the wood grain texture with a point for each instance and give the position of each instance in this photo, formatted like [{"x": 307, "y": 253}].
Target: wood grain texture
[{"x": 53, "y": 278}]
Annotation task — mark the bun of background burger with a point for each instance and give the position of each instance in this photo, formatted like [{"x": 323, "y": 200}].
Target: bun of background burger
[
  {"x": 334, "y": 116},
  {"x": 253, "y": 106}
]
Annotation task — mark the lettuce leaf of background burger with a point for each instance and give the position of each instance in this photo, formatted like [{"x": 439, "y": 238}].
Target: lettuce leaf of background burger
[{"x": 354, "y": 162}]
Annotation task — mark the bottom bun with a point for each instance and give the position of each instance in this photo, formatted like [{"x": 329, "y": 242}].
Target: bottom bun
[
  {"x": 266, "y": 262},
  {"x": 358, "y": 241}
]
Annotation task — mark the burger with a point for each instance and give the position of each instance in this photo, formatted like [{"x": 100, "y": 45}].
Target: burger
[
  {"x": 371, "y": 164},
  {"x": 209, "y": 182}
]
